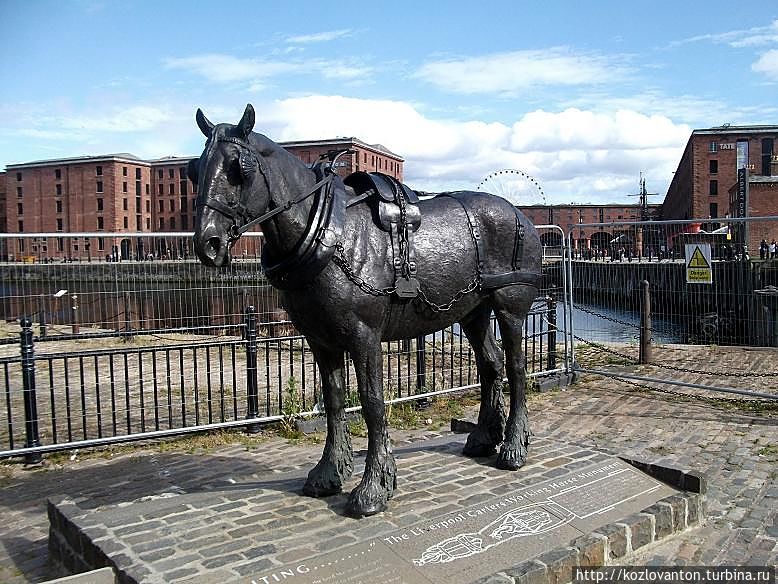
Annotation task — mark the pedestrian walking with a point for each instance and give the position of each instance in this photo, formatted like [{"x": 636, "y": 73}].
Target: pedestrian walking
[{"x": 773, "y": 249}]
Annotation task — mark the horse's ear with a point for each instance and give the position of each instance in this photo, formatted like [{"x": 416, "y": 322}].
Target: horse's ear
[
  {"x": 192, "y": 170},
  {"x": 246, "y": 123},
  {"x": 202, "y": 122}
]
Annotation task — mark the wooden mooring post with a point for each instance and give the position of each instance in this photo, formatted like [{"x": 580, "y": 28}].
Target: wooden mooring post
[{"x": 645, "y": 324}]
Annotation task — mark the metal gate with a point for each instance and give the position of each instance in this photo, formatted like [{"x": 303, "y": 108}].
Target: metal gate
[{"x": 692, "y": 304}]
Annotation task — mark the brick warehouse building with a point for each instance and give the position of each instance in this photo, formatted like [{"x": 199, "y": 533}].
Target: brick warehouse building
[
  {"x": 705, "y": 183},
  {"x": 588, "y": 238},
  {"x": 365, "y": 157},
  {"x": 108, "y": 193},
  {"x": 123, "y": 193}
]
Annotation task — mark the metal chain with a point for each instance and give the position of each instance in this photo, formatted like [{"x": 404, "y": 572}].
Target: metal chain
[
  {"x": 739, "y": 401},
  {"x": 673, "y": 368},
  {"x": 401, "y": 235},
  {"x": 458, "y": 296},
  {"x": 367, "y": 288},
  {"x": 602, "y": 316}
]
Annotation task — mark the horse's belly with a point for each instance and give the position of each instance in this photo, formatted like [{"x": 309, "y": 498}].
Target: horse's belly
[{"x": 414, "y": 318}]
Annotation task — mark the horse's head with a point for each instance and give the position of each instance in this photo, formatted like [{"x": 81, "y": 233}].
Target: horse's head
[{"x": 233, "y": 185}]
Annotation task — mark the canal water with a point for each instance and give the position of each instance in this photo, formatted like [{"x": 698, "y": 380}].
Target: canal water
[
  {"x": 603, "y": 324},
  {"x": 168, "y": 305}
]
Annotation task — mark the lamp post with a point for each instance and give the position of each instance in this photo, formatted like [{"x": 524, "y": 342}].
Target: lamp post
[
  {"x": 74, "y": 324},
  {"x": 580, "y": 233}
]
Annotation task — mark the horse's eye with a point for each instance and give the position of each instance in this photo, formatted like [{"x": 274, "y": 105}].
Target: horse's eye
[{"x": 234, "y": 176}]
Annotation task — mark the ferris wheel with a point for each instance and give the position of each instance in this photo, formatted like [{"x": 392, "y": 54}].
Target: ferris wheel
[{"x": 514, "y": 185}]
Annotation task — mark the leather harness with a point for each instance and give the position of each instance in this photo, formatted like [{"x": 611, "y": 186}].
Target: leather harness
[
  {"x": 492, "y": 281},
  {"x": 398, "y": 214}
]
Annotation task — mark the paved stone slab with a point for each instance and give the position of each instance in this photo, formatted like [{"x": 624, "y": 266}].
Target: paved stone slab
[
  {"x": 101, "y": 576},
  {"x": 454, "y": 520}
]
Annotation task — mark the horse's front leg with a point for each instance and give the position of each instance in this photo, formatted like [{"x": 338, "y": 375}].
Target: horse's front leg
[
  {"x": 379, "y": 479},
  {"x": 336, "y": 464}
]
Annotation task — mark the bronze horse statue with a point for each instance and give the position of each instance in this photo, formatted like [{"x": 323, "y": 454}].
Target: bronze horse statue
[{"x": 349, "y": 283}]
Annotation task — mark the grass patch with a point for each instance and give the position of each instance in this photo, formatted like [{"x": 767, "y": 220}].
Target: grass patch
[
  {"x": 357, "y": 427},
  {"x": 770, "y": 450}
]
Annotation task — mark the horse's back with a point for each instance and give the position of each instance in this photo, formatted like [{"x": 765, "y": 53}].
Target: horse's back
[{"x": 492, "y": 219}]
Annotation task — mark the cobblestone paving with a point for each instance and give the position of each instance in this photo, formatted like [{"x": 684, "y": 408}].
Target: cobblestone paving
[{"x": 737, "y": 450}]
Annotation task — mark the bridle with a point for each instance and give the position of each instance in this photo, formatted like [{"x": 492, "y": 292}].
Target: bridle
[{"x": 238, "y": 213}]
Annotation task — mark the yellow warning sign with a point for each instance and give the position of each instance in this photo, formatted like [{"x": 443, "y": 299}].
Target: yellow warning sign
[
  {"x": 699, "y": 269},
  {"x": 698, "y": 260}
]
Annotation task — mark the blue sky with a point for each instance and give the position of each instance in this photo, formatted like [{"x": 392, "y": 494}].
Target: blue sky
[{"x": 581, "y": 95}]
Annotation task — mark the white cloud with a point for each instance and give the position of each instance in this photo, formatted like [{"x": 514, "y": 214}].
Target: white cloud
[
  {"x": 751, "y": 37},
  {"x": 345, "y": 72},
  {"x": 623, "y": 130},
  {"x": 576, "y": 155},
  {"x": 767, "y": 64},
  {"x": 256, "y": 73},
  {"x": 226, "y": 68},
  {"x": 517, "y": 71},
  {"x": 319, "y": 37},
  {"x": 139, "y": 118}
]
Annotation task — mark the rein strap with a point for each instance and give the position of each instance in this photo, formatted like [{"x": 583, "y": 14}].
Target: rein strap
[{"x": 238, "y": 231}]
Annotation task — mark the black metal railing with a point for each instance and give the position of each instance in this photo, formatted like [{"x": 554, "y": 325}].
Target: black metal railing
[{"x": 78, "y": 398}]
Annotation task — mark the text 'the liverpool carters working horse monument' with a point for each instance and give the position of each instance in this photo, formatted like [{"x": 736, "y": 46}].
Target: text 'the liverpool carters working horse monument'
[{"x": 362, "y": 260}]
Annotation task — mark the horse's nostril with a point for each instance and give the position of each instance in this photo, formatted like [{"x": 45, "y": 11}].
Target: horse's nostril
[{"x": 212, "y": 247}]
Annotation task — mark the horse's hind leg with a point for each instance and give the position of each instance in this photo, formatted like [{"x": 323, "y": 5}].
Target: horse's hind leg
[
  {"x": 491, "y": 417},
  {"x": 511, "y": 305},
  {"x": 336, "y": 464}
]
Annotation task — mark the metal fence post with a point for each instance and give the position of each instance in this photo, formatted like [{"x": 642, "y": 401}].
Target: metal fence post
[
  {"x": 551, "y": 303},
  {"x": 30, "y": 398},
  {"x": 645, "y": 324},
  {"x": 421, "y": 364},
  {"x": 42, "y": 316},
  {"x": 251, "y": 369}
]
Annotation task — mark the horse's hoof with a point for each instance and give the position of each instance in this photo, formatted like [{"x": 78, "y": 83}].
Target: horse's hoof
[
  {"x": 359, "y": 509},
  {"x": 510, "y": 459},
  {"x": 479, "y": 451},
  {"x": 318, "y": 490},
  {"x": 324, "y": 480},
  {"x": 478, "y": 447},
  {"x": 366, "y": 500}
]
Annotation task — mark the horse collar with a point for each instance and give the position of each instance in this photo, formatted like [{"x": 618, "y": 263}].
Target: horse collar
[{"x": 317, "y": 245}]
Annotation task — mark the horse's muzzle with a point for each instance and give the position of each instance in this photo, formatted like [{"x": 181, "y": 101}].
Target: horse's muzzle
[{"x": 213, "y": 251}]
